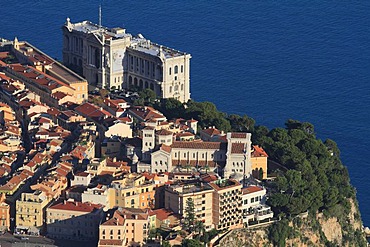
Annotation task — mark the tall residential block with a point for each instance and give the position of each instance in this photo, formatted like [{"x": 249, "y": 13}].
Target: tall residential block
[{"x": 201, "y": 194}]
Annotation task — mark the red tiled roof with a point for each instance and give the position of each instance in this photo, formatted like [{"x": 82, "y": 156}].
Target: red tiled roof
[
  {"x": 59, "y": 95},
  {"x": 162, "y": 213},
  {"x": 110, "y": 242},
  {"x": 251, "y": 189},
  {"x": 165, "y": 148},
  {"x": 77, "y": 206},
  {"x": 238, "y": 135},
  {"x": 237, "y": 148},
  {"x": 198, "y": 145},
  {"x": 184, "y": 134},
  {"x": 164, "y": 132},
  {"x": 82, "y": 174},
  {"x": 258, "y": 152},
  {"x": 208, "y": 178},
  {"x": 211, "y": 131}
]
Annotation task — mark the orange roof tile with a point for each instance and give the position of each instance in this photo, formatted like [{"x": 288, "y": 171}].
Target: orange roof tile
[{"x": 258, "y": 152}]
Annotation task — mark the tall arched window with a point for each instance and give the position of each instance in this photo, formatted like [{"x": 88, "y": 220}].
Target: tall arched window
[
  {"x": 170, "y": 71},
  {"x": 176, "y": 69},
  {"x": 141, "y": 84}
]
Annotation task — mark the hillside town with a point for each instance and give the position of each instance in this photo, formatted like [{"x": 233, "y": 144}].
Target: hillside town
[{"x": 80, "y": 161}]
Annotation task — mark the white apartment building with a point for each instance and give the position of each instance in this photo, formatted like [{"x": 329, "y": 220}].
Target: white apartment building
[
  {"x": 112, "y": 58},
  {"x": 253, "y": 206}
]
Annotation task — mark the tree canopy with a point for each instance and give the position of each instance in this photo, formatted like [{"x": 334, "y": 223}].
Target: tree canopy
[{"x": 316, "y": 180}]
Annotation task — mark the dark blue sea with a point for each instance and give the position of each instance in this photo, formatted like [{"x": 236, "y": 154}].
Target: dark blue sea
[{"x": 271, "y": 60}]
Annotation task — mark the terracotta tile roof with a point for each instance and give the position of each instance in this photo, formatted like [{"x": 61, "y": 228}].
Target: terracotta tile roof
[
  {"x": 162, "y": 214},
  {"x": 211, "y": 131},
  {"x": 53, "y": 111},
  {"x": 148, "y": 176},
  {"x": 146, "y": 113},
  {"x": 77, "y": 206},
  {"x": 251, "y": 189},
  {"x": 258, "y": 152},
  {"x": 90, "y": 110},
  {"x": 164, "y": 132},
  {"x": 238, "y": 135},
  {"x": 185, "y": 134},
  {"x": 165, "y": 148},
  {"x": 208, "y": 178},
  {"x": 82, "y": 174},
  {"x": 44, "y": 120},
  {"x": 134, "y": 213},
  {"x": 59, "y": 95},
  {"x": 198, "y": 145},
  {"x": 237, "y": 148},
  {"x": 110, "y": 242},
  {"x": 38, "y": 77}
]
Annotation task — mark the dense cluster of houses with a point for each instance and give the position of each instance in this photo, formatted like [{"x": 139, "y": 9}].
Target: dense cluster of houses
[{"x": 86, "y": 174}]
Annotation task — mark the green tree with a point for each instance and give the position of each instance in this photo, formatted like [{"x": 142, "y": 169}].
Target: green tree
[
  {"x": 241, "y": 124},
  {"x": 189, "y": 214},
  {"x": 279, "y": 232},
  {"x": 260, "y": 174},
  {"x": 199, "y": 228},
  {"x": 165, "y": 244},
  {"x": 148, "y": 95},
  {"x": 191, "y": 243}
]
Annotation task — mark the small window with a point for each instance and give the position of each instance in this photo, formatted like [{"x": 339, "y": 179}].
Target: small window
[
  {"x": 182, "y": 68},
  {"x": 170, "y": 71}
]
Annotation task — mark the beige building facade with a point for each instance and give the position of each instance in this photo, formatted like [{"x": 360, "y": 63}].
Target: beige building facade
[
  {"x": 112, "y": 58},
  {"x": 30, "y": 209},
  {"x": 127, "y": 227},
  {"x": 74, "y": 220},
  {"x": 176, "y": 197}
]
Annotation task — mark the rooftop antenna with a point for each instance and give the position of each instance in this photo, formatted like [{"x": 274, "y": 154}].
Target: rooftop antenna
[
  {"x": 99, "y": 16},
  {"x": 102, "y": 63}
]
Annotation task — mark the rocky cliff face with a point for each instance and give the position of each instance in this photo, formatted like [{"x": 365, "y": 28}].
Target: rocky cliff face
[{"x": 344, "y": 229}]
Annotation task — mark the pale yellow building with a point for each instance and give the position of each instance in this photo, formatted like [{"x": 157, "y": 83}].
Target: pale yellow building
[
  {"x": 176, "y": 197},
  {"x": 259, "y": 161},
  {"x": 30, "y": 209},
  {"x": 132, "y": 192}
]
